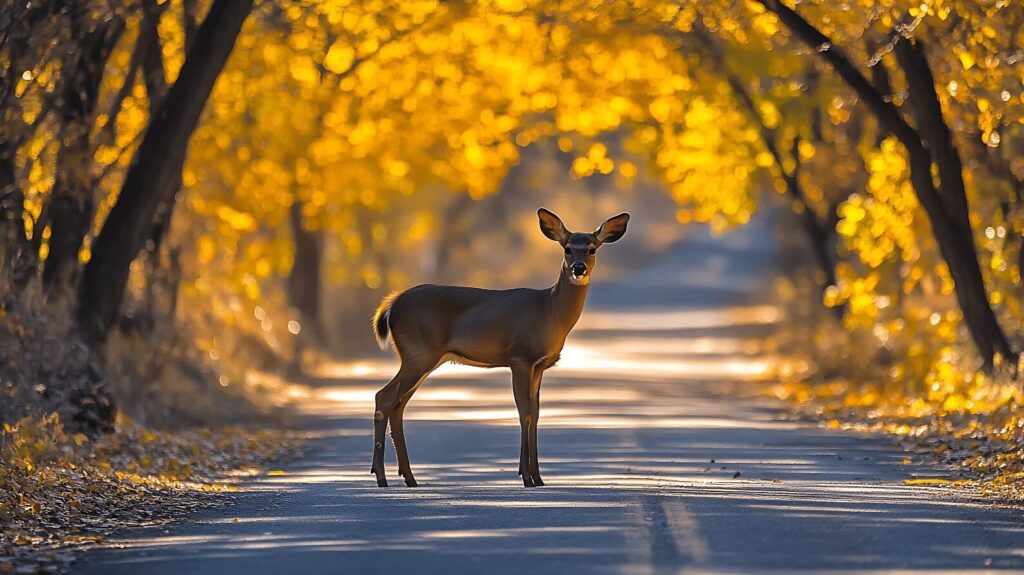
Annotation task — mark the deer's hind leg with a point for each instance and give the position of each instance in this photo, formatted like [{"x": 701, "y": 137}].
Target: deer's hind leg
[
  {"x": 388, "y": 400},
  {"x": 398, "y": 437}
]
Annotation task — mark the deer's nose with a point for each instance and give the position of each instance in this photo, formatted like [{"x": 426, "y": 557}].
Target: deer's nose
[{"x": 578, "y": 269}]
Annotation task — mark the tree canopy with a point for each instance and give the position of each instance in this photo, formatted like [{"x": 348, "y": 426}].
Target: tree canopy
[{"x": 890, "y": 128}]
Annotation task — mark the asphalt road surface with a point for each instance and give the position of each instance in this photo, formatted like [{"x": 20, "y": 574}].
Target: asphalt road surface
[{"x": 653, "y": 464}]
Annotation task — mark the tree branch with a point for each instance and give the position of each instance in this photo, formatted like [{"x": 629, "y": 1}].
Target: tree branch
[
  {"x": 927, "y": 110},
  {"x": 954, "y": 238},
  {"x": 886, "y": 112}
]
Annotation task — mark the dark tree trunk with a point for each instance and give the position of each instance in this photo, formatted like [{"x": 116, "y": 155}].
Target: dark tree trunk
[
  {"x": 450, "y": 236},
  {"x": 72, "y": 200},
  {"x": 153, "y": 74},
  {"x": 955, "y": 240},
  {"x": 817, "y": 125},
  {"x": 156, "y": 87},
  {"x": 935, "y": 134},
  {"x": 28, "y": 26},
  {"x": 818, "y": 235},
  {"x": 13, "y": 242},
  {"x": 158, "y": 160},
  {"x": 883, "y": 85},
  {"x": 21, "y": 38},
  {"x": 305, "y": 285},
  {"x": 938, "y": 140},
  {"x": 161, "y": 276},
  {"x": 304, "y": 280},
  {"x": 190, "y": 18}
]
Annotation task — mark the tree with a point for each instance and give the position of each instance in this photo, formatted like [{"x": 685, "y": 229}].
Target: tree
[
  {"x": 34, "y": 30},
  {"x": 159, "y": 159},
  {"x": 946, "y": 205},
  {"x": 71, "y": 205},
  {"x": 819, "y": 233}
]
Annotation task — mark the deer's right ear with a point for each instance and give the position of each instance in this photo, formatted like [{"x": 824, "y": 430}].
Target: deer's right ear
[{"x": 552, "y": 226}]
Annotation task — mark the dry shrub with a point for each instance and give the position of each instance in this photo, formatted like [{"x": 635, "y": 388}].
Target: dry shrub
[
  {"x": 60, "y": 478},
  {"x": 160, "y": 380},
  {"x": 916, "y": 380},
  {"x": 44, "y": 367},
  {"x": 155, "y": 371}
]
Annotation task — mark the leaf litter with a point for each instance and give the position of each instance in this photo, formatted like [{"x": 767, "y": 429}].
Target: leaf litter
[{"x": 61, "y": 493}]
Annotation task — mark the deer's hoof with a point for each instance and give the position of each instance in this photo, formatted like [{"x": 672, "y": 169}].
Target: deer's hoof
[
  {"x": 537, "y": 481},
  {"x": 382, "y": 481},
  {"x": 528, "y": 481},
  {"x": 411, "y": 482}
]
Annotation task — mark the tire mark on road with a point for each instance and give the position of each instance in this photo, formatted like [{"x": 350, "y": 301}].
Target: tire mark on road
[
  {"x": 684, "y": 529},
  {"x": 671, "y": 534}
]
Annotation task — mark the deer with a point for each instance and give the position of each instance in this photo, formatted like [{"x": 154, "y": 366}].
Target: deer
[{"x": 523, "y": 329}]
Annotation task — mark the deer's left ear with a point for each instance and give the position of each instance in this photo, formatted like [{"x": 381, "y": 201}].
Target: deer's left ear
[
  {"x": 612, "y": 229},
  {"x": 551, "y": 225}
]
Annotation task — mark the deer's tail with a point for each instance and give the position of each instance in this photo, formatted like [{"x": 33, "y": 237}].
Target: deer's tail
[{"x": 380, "y": 323}]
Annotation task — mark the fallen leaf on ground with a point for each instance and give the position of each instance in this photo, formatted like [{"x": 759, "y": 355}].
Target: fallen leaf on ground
[{"x": 935, "y": 481}]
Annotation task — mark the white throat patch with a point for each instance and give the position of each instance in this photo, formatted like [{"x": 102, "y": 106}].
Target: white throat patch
[{"x": 579, "y": 281}]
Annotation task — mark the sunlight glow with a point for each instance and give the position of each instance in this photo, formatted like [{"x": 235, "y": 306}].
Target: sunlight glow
[
  {"x": 628, "y": 368},
  {"x": 685, "y": 319}
]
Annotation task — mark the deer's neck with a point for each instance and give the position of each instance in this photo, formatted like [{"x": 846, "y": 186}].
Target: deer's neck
[{"x": 567, "y": 301}]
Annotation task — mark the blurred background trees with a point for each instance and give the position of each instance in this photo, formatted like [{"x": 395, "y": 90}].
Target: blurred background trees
[{"x": 256, "y": 176}]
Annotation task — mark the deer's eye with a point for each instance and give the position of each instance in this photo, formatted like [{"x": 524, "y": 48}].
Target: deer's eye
[
  {"x": 593, "y": 251},
  {"x": 568, "y": 251}
]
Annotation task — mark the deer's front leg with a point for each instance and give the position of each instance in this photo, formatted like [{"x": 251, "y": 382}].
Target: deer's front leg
[
  {"x": 534, "y": 421},
  {"x": 522, "y": 374}
]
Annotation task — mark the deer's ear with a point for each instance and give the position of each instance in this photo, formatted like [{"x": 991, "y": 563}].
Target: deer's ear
[
  {"x": 552, "y": 226},
  {"x": 612, "y": 229}
]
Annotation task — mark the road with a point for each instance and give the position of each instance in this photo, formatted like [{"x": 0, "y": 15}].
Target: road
[{"x": 652, "y": 464}]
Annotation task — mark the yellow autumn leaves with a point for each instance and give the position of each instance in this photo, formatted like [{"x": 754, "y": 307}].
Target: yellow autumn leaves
[{"x": 353, "y": 108}]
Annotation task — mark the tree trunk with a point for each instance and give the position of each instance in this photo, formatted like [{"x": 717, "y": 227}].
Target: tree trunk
[
  {"x": 304, "y": 280},
  {"x": 161, "y": 276},
  {"x": 30, "y": 25},
  {"x": 72, "y": 200},
  {"x": 883, "y": 85},
  {"x": 158, "y": 159},
  {"x": 935, "y": 134},
  {"x": 305, "y": 285},
  {"x": 189, "y": 19},
  {"x": 451, "y": 230},
  {"x": 955, "y": 240},
  {"x": 13, "y": 242},
  {"x": 938, "y": 140}
]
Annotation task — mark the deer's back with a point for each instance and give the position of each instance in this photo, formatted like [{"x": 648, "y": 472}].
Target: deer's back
[{"x": 480, "y": 326}]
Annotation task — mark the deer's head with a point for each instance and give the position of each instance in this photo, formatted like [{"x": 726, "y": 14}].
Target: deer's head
[{"x": 581, "y": 248}]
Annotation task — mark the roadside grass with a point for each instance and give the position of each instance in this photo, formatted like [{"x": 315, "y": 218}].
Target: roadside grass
[
  {"x": 979, "y": 430},
  {"x": 60, "y": 492},
  {"x": 186, "y": 431}
]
